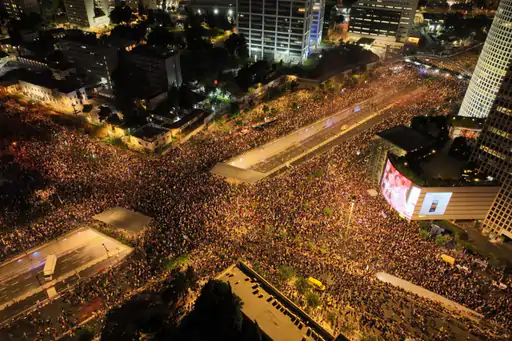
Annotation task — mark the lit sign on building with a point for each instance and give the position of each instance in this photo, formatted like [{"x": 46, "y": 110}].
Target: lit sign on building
[
  {"x": 435, "y": 203},
  {"x": 396, "y": 190}
]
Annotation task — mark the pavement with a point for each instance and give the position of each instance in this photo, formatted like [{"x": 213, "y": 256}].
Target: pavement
[
  {"x": 260, "y": 162},
  {"x": 422, "y": 292},
  {"x": 80, "y": 254}
]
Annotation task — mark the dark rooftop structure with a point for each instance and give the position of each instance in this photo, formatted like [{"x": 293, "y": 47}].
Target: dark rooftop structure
[
  {"x": 193, "y": 116},
  {"x": 466, "y": 122},
  {"x": 153, "y": 52},
  {"x": 148, "y": 132},
  {"x": 43, "y": 79},
  {"x": 121, "y": 218},
  {"x": 278, "y": 318},
  {"x": 406, "y": 138},
  {"x": 365, "y": 41}
]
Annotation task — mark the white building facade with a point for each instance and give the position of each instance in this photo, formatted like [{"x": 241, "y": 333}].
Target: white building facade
[
  {"x": 389, "y": 20},
  {"x": 276, "y": 30},
  {"x": 492, "y": 65},
  {"x": 88, "y": 13}
]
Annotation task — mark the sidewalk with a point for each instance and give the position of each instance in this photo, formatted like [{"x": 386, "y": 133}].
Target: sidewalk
[{"x": 422, "y": 292}]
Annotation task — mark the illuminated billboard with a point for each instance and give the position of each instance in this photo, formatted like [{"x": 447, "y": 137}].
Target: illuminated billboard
[
  {"x": 435, "y": 203},
  {"x": 397, "y": 191}
]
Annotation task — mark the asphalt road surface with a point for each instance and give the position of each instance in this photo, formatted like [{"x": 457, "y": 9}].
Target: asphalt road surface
[{"x": 21, "y": 279}]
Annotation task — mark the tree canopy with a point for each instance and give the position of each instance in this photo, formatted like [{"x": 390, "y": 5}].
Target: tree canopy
[{"x": 121, "y": 14}]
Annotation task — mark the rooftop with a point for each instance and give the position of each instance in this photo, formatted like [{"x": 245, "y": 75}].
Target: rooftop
[
  {"x": 193, "y": 115},
  {"x": 277, "y": 317},
  {"x": 149, "y": 132},
  {"x": 43, "y": 79},
  {"x": 154, "y": 52},
  {"x": 437, "y": 168},
  {"x": 406, "y": 138},
  {"x": 466, "y": 122},
  {"x": 119, "y": 217},
  {"x": 365, "y": 41}
]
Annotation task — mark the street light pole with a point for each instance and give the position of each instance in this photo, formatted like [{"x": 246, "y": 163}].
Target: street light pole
[
  {"x": 350, "y": 213},
  {"x": 106, "y": 249}
]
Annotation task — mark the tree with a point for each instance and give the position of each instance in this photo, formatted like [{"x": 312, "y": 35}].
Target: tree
[
  {"x": 252, "y": 332},
  {"x": 234, "y": 108},
  {"x": 144, "y": 313},
  {"x": 130, "y": 84},
  {"x": 121, "y": 14},
  {"x": 187, "y": 100},
  {"x": 313, "y": 299},
  {"x": 218, "y": 311},
  {"x": 160, "y": 18},
  {"x": 285, "y": 272},
  {"x": 219, "y": 58},
  {"x": 85, "y": 334},
  {"x": 237, "y": 46},
  {"x": 161, "y": 36},
  {"x": 87, "y": 108},
  {"x": 301, "y": 285},
  {"x": 194, "y": 34},
  {"x": 104, "y": 113}
]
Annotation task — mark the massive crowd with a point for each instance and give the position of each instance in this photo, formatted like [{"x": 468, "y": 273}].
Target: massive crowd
[{"x": 279, "y": 221}]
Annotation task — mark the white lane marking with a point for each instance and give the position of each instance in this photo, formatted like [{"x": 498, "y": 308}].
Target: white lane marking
[{"x": 14, "y": 283}]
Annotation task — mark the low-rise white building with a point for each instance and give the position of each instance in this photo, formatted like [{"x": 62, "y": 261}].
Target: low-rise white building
[{"x": 61, "y": 94}]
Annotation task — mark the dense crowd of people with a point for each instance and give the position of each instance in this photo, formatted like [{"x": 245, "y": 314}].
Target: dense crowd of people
[{"x": 280, "y": 221}]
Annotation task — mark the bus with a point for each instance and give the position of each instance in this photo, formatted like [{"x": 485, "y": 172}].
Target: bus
[
  {"x": 49, "y": 267},
  {"x": 315, "y": 283}
]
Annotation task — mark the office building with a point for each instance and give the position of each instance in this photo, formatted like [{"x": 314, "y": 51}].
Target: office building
[
  {"x": 493, "y": 155},
  {"x": 215, "y": 7},
  {"x": 276, "y": 30},
  {"x": 489, "y": 96},
  {"x": 492, "y": 65},
  {"x": 14, "y": 8},
  {"x": 147, "y": 4},
  {"x": 94, "y": 58},
  {"x": 161, "y": 67},
  {"x": 88, "y": 13},
  {"x": 388, "y": 20},
  {"x": 317, "y": 23}
]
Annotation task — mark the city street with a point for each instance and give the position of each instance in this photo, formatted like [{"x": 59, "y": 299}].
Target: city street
[
  {"x": 22, "y": 278},
  {"x": 265, "y": 160}
]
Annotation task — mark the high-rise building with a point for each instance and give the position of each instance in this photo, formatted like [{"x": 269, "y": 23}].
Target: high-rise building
[
  {"x": 493, "y": 155},
  {"x": 88, "y": 13},
  {"x": 147, "y": 4},
  {"x": 14, "y": 8},
  {"x": 94, "y": 58},
  {"x": 389, "y": 20},
  {"x": 275, "y": 29},
  {"x": 161, "y": 67},
  {"x": 493, "y": 64},
  {"x": 489, "y": 96},
  {"x": 317, "y": 23}
]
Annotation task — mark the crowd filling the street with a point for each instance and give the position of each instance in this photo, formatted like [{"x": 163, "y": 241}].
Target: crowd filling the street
[{"x": 298, "y": 219}]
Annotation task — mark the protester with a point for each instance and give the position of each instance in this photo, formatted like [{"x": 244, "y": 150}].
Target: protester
[{"x": 279, "y": 221}]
